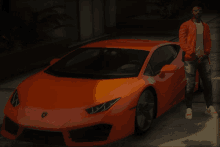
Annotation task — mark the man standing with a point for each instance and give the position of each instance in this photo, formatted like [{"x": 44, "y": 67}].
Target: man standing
[{"x": 195, "y": 41}]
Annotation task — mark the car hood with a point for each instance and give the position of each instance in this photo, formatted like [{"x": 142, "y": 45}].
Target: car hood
[
  {"x": 49, "y": 92},
  {"x": 47, "y": 118}
]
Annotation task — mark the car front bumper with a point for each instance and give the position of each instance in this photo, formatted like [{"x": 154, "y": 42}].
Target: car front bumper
[{"x": 100, "y": 133}]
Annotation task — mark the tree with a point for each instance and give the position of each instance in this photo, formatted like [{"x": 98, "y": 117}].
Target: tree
[
  {"x": 48, "y": 20},
  {"x": 19, "y": 33},
  {"x": 168, "y": 8}
]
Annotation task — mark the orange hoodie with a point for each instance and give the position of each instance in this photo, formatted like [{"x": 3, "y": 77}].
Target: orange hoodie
[{"x": 187, "y": 39}]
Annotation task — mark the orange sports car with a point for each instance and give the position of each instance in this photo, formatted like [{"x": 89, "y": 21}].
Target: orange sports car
[{"x": 97, "y": 94}]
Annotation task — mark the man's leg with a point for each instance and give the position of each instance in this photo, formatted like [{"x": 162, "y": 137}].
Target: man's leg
[
  {"x": 205, "y": 75},
  {"x": 190, "y": 74}
]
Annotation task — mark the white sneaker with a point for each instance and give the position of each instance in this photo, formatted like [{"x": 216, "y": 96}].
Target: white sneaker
[
  {"x": 211, "y": 111},
  {"x": 188, "y": 113}
]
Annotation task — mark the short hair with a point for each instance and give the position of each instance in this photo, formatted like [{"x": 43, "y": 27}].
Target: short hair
[{"x": 196, "y": 6}]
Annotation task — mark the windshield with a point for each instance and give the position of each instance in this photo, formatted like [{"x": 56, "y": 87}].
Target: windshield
[{"x": 99, "y": 63}]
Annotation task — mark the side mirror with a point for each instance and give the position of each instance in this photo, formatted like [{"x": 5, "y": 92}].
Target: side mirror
[
  {"x": 54, "y": 60},
  {"x": 167, "y": 69}
]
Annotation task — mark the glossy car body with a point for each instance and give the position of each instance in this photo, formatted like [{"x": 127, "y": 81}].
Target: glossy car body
[{"x": 56, "y": 107}]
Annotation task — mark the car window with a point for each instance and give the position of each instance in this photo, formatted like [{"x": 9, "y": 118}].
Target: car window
[
  {"x": 162, "y": 56},
  {"x": 176, "y": 48},
  {"x": 172, "y": 49},
  {"x": 88, "y": 54},
  {"x": 100, "y": 63},
  {"x": 148, "y": 71}
]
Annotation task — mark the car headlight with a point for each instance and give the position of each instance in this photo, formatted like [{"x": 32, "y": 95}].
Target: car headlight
[
  {"x": 14, "y": 100},
  {"x": 102, "y": 107}
]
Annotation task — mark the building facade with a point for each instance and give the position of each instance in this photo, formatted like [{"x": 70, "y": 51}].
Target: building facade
[{"x": 88, "y": 18}]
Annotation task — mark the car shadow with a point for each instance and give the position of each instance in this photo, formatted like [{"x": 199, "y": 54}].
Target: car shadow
[{"x": 170, "y": 126}]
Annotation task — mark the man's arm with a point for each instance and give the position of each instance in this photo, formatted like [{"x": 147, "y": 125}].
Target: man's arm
[
  {"x": 183, "y": 31},
  {"x": 207, "y": 48}
]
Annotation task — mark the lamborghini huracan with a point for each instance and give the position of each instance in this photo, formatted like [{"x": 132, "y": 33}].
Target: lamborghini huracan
[{"x": 97, "y": 94}]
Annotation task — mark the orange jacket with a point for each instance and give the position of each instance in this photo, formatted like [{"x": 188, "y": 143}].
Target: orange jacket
[{"x": 187, "y": 39}]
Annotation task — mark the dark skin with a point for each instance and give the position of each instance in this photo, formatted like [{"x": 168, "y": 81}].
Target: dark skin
[{"x": 197, "y": 13}]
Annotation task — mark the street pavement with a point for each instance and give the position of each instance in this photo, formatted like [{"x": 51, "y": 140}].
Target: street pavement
[{"x": 169, "y": 130}]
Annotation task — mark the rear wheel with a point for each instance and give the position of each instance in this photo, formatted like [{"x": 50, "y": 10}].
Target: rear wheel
[{"x": 144, "y": 112}]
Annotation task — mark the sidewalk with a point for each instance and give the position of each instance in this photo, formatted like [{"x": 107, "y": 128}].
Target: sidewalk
[
  {"x": 209, "y": 135},
  {"x": 202, "y": 130},
  {"x": 171, "y": 129}
]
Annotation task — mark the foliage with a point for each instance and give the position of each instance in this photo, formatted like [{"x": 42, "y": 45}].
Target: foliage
[
  {"x": 168, "y": 8},
  {"x": 13, "y": 29},
  {"x": 48, "y": 20},
  {"x": 20, "y": 32}
]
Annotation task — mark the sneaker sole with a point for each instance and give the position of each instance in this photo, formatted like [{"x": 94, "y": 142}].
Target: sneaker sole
[{"x": 188, "y": 116}]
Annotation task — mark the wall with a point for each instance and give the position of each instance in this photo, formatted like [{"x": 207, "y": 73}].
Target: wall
[
  {"x": 91, "y": 18},
  {"x": 98, "y": 18},
  {"x": 1, "y": 3},
  {"x": 24, "y": 8},
  {"x": 126, "y": 9},
  {"x": 110, "y": 13},
  {"x": 72, "y": 11},
  {"x": 85, "y": 19},
  {"x": 5, "y": 5},
  {"x": 129, "y": 8}
]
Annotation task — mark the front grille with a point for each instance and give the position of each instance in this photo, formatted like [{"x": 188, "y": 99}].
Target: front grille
[
  {"x": 42, "y": 137},
  {"x": 89, "y": 134},
  {"x": 10, "y": 126}
]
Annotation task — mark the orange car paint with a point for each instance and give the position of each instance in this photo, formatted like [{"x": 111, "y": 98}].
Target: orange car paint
[{"x": 66, "y": 97}]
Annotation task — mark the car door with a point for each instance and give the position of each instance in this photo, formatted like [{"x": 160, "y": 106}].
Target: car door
[
  {"x": 165, "y": 87},
  {"x": 179, "y": 75}
]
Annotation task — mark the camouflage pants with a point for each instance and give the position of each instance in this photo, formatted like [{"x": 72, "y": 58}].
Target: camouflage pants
[{"x": 205, "y": 75}]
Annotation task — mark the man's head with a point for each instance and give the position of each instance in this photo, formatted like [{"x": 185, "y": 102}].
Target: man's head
[{"x": 197, "y": 12}]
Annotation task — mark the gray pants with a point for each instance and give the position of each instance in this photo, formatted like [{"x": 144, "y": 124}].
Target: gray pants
[{"x": 205, "y": 75}]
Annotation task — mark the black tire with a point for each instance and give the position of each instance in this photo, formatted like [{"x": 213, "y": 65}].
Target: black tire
[{"x": 145, "y": 112}]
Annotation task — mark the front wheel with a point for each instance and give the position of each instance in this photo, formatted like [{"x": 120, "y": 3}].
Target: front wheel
[{"x": 144, "y": 112}]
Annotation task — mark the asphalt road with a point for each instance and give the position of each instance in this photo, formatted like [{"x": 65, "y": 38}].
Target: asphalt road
[{"x": 170, "y": 129}]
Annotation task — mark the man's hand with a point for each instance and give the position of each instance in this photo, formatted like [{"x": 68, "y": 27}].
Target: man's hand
[{"x": 200, "y": 53}]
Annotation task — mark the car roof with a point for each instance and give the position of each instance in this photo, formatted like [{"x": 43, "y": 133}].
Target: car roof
[{"x": 138, "y": 44}]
